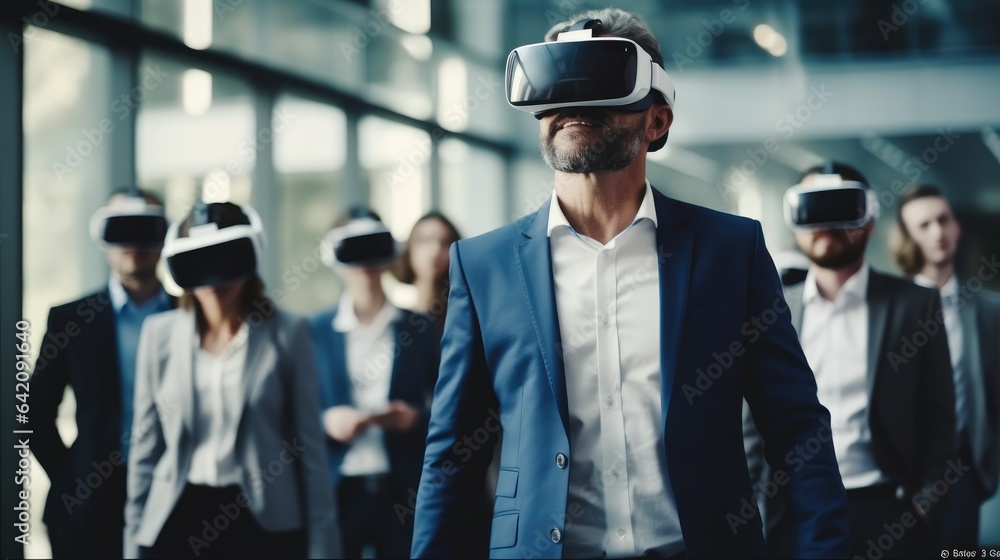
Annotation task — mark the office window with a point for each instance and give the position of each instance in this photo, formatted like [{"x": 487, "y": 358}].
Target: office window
[
  {"x": 69, "y": 119},
  {"x": 472, "y": 187},
  {"x": 310, "y": 150}
]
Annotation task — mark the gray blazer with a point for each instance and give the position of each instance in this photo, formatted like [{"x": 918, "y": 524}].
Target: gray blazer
[{"x": 279, "y": 445}]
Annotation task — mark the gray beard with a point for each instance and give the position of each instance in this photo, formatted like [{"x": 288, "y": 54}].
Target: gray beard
[{"x": 614, "y": 150}]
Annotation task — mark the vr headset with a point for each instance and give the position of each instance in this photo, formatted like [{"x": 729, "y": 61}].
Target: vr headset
[
  {"x": 133, "y": 224},
  {"x": 362, "y": 243},
  {"x": 211, "y": 255},
  {"x": 829, "y": 202},
  {"x": 579, "y": 70}
]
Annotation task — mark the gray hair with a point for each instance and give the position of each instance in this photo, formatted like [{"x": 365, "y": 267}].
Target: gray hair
[{"x": 618, "y": 23}]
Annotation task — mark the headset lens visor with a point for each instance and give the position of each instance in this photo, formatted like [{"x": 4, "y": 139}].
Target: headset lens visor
[
  {"x": 369, "y": 248},
  {"x": 213, "y": 264},
  {"x": 570, "y": 72},
  {"x": 144, "y": 230},
  {"x": 832, "y": 206}
]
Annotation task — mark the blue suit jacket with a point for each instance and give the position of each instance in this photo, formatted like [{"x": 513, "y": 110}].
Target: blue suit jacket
[
  {"x": 726, "y": 336},
  {"x": 414, "y": 371}
]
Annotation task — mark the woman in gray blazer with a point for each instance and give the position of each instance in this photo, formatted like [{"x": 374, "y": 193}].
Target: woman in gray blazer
[{"x": 227, "y": 457}]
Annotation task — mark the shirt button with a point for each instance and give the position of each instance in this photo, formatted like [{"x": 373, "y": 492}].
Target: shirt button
[
  {"x": 555, "y": 534},
  {"x": 621, "y": 533},
  {"x": 607, "y": 256},
  {"x": 609, "y": 401},
  {"x": 604, "y": 320},
  {"x": 560, "y": 460},
  {"x": 614, "y": 473}
]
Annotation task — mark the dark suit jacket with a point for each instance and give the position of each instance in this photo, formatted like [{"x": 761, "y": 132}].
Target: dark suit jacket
[
  {"x": 414, "y": 371},
  {"x": 502, "y": 363},
  {"x": 980, "y": 316},
  {"x": 80, "y": 349},
  {"x": 911, "y": 396}
]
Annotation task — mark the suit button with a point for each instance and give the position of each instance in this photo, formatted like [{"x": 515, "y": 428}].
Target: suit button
[
  {"x": 556, "y": 534},
  {"x": 560, "y": 460}
]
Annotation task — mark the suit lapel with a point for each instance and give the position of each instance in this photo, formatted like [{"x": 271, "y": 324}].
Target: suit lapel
[
  {"x": 260, "y": 358},
  {"x": 104, "y": 353},
  {"x": 879, "y": 306},
  {"x": 674, "y": 253},
  {"x": 534, "y": 267},
  {"x": 973, "y": 369},
  {"x": 183, "y": 342}
]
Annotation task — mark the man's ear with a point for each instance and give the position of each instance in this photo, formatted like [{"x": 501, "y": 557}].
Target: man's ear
[{"x": 659, "y": 118}]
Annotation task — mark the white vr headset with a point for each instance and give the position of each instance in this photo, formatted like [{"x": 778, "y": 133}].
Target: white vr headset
[
  {"x": 210, "y": 255},
  {"x": 829, "y": 202},
  {"x": 579, "y": 70},
  {"x": 132, "y": 224},
  {"x": 361, "y": 243}
]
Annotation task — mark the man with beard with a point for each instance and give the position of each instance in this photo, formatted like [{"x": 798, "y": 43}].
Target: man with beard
[
  {"x": 876, "y": 345},
  {"x": 612, "y": 335}
]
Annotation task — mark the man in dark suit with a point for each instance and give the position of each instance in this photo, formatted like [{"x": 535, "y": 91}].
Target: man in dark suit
[
  {"x": 883, "y": 371},
  {"x": 376, "y": 366},
  {"x": 90, "y": 346},
  {"x": 928, "y": 235},
  {"x": 612, "y": 335}
]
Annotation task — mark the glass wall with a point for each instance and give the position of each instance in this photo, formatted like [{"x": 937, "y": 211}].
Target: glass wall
[
  {"x": 309, "y": 159},
  {"x": 70, "y": 118}
]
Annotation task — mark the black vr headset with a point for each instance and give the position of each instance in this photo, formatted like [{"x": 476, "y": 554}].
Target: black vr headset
[
  {"x": 580, "y": 70},
  {"x": 132, "y": 224},
  {"x": 829, "y": 202},
  {"x": 211, "y": 255},
  {"x": 364, "y": 242}
]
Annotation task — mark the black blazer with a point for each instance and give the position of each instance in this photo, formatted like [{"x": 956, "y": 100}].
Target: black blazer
[
  {"x": 980, "y": 317},
  {"x": 80, "y": 349},
  {"x": 911, "y": 394}
]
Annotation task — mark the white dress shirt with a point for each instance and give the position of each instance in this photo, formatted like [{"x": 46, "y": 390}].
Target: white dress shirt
[
  {"x": 950, "y": 303},
  {"x": 371, "y": 351},
  {"x": 835, "y": 341},
  {"x": 608, "y": 302},
  {"x": 218, "y": 400}
]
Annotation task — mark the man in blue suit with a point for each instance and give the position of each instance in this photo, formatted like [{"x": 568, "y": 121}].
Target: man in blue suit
[{"x": 613, "y": 335}]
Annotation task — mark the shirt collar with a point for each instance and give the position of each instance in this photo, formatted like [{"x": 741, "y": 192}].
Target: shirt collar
[
  {"x": 855, "y": 289},
  {"x": 647, "y": 210},
  {"x": 346, "y": 319},
  {"x": 119, "y": 297},
  {"x": 950, "y": 287}
]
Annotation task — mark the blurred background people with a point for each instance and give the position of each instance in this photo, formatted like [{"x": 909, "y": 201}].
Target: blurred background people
[
  {"x": 227, "y": 459},
  {"x": 925, "y": 246},
  {"x": 424, "y": 264},
  {"x": 377, "y": 365},
  {"x": 90, "y": 347},
  {"x": 891, "y": 400}
]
